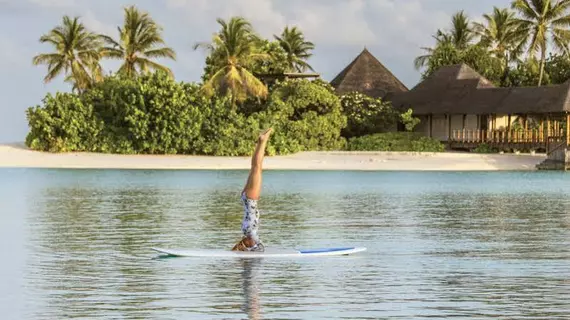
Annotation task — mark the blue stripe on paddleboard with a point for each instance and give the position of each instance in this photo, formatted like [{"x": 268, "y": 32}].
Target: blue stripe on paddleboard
[{"x": 326, "y": 250}]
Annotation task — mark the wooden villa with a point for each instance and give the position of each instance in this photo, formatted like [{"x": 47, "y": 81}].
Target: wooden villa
[
  {"x": 462, "y": 109},
  {"x": 458, "y": 106}
]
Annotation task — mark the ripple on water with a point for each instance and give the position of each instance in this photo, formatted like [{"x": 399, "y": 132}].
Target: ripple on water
[{"x": 440, "y": 245}]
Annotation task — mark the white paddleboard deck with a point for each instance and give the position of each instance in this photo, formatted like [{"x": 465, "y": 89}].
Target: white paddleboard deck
[{"x": 269, "y": 252}]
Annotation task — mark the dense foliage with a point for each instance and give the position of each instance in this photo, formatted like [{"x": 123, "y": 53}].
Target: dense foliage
[
  {"x": 306, "y": 115},
  {"x": 153, "y": 114},
  {"x": 64, "y": 123},
  {"x": 366, "y": 115},
  {"x": 395, "y": 141},
  {"x": 510, "y": 46}
]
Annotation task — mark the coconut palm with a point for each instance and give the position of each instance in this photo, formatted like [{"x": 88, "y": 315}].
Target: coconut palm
[
  {"x": 76, "y": 54},
  {"x": 461, "y": 33},
  {"x": 138, "y": 43},
  {"x": 233, "y": 50},
  {"x": 298, "y": 50},
  {"x": 500, "y": 35},
  {"x": 442, "y": 40},
  {"x": 459, "y": 37},
  {"x": 541, "y": 21}
]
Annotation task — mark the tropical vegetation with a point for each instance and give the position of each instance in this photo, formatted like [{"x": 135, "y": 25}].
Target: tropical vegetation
[
  {"x": 77, "y": 54},
  {"x": 141, "y": 108},
  {"x": 510, "y": 46},
  {"x": 137, "y": 44}
]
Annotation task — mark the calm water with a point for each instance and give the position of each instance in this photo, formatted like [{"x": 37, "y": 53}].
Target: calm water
[{"x": 75, "y": 244}]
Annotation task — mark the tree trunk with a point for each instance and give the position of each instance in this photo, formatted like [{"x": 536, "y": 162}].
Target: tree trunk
[
  {"x": 542, "y": 62},
  {"x": 505, "y": 72}
]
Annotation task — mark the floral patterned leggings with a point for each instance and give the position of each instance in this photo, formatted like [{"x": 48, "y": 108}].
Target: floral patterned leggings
[{"x": 250, "y": 223}]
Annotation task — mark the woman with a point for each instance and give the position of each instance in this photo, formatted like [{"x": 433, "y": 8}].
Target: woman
[{"x": 250, "y": 196}]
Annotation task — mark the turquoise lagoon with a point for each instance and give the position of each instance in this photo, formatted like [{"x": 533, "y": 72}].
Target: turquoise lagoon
[{"x": 482, "y": 245}]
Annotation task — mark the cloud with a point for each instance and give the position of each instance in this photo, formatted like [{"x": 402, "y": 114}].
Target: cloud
[
  {"x": 11, "y": 54},
  {"x": 97, "y": 26},
  {"x": 338, "y": 22},
  {"x": 53, "y": 3},
  {"x": 315, "y": 18},
  {"x": 407, "y": 23}
]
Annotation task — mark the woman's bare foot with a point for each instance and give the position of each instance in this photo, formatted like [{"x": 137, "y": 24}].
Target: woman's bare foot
[{"x": 264, "y": 136}]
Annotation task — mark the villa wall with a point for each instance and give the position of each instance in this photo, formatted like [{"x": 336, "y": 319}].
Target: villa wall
[
  {"x": 471, "y": 122},
  {"x": 440, "y": 125},
  {"x": 501, "y": 122}
]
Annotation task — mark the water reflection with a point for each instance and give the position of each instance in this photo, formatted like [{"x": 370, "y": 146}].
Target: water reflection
[{"x": 251, "y": 292}]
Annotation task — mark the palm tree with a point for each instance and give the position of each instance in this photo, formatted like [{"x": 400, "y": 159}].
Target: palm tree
[
  {"x": 541, "y": 20},
  {"x": 501, "y": 37},
  {"x": 137, "y": 45},
  {"x": 297, "y": 49},
  {"x": 459, "y": 37},
  {"x": 461, "y": 33},
  {"x": 442, "y": 40},
  {"x": 76, "y": 54},
  {"x": 233, "y": 50}
]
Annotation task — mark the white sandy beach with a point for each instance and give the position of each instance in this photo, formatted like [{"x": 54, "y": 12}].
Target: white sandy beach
[{"x": 18, "y": 156}]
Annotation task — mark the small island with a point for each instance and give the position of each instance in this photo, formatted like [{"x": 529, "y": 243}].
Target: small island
[{"x": 484, "y": 91}]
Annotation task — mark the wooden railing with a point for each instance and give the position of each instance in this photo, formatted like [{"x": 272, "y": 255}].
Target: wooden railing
[{"x": 503, "y": 136}]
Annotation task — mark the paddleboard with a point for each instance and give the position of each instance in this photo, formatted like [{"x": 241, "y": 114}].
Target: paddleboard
[{"x": 269, "y": 252}]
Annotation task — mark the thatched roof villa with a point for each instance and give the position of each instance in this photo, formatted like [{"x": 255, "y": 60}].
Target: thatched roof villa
[
  {"x": 459, "y": 106},
  {"x": 369, "y": 76}
]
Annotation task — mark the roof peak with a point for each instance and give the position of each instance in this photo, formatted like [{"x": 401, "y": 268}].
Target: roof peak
[{"x": 366, "y": 74}]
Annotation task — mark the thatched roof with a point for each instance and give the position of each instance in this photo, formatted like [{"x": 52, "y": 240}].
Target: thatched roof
[
  {"x": 458, "y": 89},
  {"x": 369, "y": 76}
]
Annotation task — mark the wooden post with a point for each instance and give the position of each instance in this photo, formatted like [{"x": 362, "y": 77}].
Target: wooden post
[
  {"x": 430, "y": 116},
  {"x": 567, "y": 129},
  {"x": 547, "y": 126},
  {"x": 509, "y": 128},
  {"x": 541, "y": 130},
  {"x": 449, "y": 125},
  {"x": 525, "y": 132}
]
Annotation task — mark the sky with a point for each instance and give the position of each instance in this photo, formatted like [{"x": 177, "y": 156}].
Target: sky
[{"x": 392, "y": 30}]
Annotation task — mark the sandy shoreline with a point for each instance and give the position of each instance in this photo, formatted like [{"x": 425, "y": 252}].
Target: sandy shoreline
[{"x": 18, "y": 156}]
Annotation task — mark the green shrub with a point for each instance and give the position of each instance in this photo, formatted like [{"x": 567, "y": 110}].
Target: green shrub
[
  {"x": 64, "y": 123},
  {"x": 224, "y": 131},
  {"x": 395, "y": 141},
  {"x": 152, "y": 114},
  {"x": 306, "y": 116},
  {"x": 366, "y": 115},
  {"x": 485, "y": 148}
]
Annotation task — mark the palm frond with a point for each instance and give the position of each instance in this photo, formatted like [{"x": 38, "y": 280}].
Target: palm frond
[
  {"x": 147, "y": 64},
  {"x": 161, "y": 53}
]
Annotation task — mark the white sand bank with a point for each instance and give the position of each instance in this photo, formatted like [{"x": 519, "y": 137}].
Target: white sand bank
[{"x": 17, "y": 155}]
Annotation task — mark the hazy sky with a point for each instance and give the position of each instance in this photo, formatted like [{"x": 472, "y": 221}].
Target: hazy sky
[{"x": 393, "y": 30}]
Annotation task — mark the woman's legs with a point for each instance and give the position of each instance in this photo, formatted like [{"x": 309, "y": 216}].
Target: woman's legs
[{"x": 250, "y": 195}]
